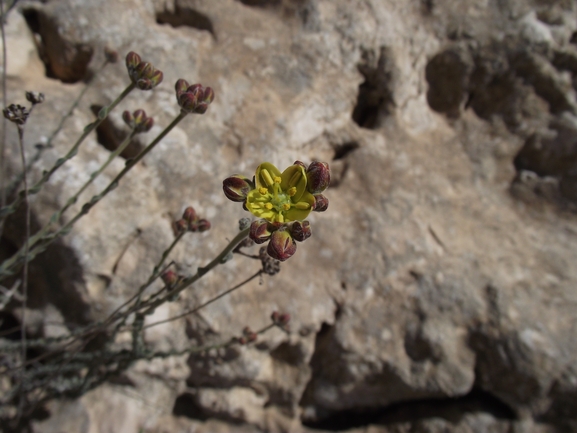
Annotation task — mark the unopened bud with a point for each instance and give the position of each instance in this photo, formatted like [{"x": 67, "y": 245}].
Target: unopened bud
[
  {"x": 203, "y": 225},
  {"x": 321, "y": 203},
  {"x": 237, "y": 187},
  {"x": 128, "y": 118},
  {"x": 35, "y": 97},
  {"x": 260, "y": 231},
  {"x": 132, "y": 61},
  {"x": 318, "y": 177},
  {"x": 301, "y": 230},
  {"x": 16, "y": 113},
  {"x": 281, "y": 245},
  {"x": 302, "y": 164},
  {"x": 169, "y": 277},
  {"x": 181, "y": 225},
  {"x": 189, "y": 215},
  {"x": 181, "y": 87}
]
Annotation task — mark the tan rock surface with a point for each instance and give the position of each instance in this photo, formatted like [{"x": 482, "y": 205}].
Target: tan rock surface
[{"x": 437, "y": 292}]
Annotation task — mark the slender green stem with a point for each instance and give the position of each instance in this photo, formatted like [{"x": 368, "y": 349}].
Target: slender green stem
[
  {"x": 11, "y": 208},
  {"x": 207, "y": 303},
  {"x": 221, "y": 258},
  {"x": 40, "y": 243},
  {"x": 16, "y": 182}
]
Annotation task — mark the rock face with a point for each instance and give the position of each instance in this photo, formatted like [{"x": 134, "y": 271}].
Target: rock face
[{"x": 437, "y": 292}]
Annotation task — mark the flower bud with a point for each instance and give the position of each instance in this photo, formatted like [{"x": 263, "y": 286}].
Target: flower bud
[
  {"x": 301, "y": 230},
  {"x": 16, "y": 114},
  {"x": 139, "y": 116},
  {"x": 169, "y": 277},
  {"x": 189, "y": 215},
  {"x": 146, "y": 125},
  {"x": 208, "y": 96},
  {"x": 181, "y": 87},
  {"x": 237, "y": 187},
  {"x": 156, "y": 76},
  {"x": 203, "y": 225},
  {"x": 35, "y": 97},
  {"x": 188, "y": 102},
  {"x": 260, "y": 231},
  {"x": 132, "y": 61},
  {"x": 318, "y": 177},
  {"x": 128, "y": 118},
  {"x": 181, "y": 225},
  {"x": 321, "y": 203},
  {"x": 281, "y": 246}
]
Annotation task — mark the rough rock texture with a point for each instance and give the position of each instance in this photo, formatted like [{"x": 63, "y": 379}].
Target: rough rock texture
[{"x": 437, "y": 292}]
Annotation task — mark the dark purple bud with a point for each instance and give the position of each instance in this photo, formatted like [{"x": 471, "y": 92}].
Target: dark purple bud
[
  {"x": 35, "y": 97},
  {"x": 260, "y": 231},
  {"x": 169, "y": 277},
  {"x": 237, "y": 187},
  {"x": 301, "y": 230},
  {"x": 203, "y": 225},
  {"x": 143, "y": 69},
  {"x": 284, "y": 319},
  {"x": 128, "y": 118},
  {"x": 181, "y": 87},
  {"x": 208, "y": 96},
  {"x": 156, "y": 77},
  {"x": 188, "y": 102},
  {"x": 318, "y": 177},
  {"x": 144, "y": 84},
  {"x": 16, "y": 114},
  {"x": 181, "y": 225},
  {"x": 132, "y": 60},
  {"x": 321, "y": 203},
  {"x": 147, "y": 124},
  {"x": 281, "y": 245},
  {"x": 139, "y": 116},
  {"x": 189, "y": 215}
]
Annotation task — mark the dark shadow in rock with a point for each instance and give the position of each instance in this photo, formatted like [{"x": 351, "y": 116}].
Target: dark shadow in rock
[
  {"x": 343, "y": 150},
  {"x": 201, "y": 369},
  {"x": 447, "y": 74},
  {"x": 55, "y": 276},
  {"x": 187, "y": 17},
  {"x": 450, "y": 409},
  {"x": 186, "y": 405},
  {"x": 291, "y": 354},
  {"x": 62, "y": 59},
  {"x": 110, "y": 137},
  {"x": 375, "y": 97},
  {"x": 261, "y": 3},
  {"x": 563, "y": 410}
]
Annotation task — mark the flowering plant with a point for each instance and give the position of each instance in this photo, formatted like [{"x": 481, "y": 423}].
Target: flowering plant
[{"x": 281, "y": 201}]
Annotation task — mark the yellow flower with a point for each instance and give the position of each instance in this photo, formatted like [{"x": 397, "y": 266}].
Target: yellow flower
[{"x": 280, "y": 197}]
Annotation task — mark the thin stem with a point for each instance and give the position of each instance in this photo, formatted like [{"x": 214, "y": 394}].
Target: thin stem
[
  {"x": 210, "y": 301},
  {"x": 91, "y": 179},
  {"x": 25, "y": 270},
  {"x": 4, "y": 104},
  {"x": 41, "y": 241},
  {"x": 103, "y": 113},
  {"x": 16, "y": 182},
  {"x": 221, "y": 258}
]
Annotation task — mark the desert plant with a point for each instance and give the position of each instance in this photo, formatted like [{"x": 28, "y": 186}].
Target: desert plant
[{"x": 72, "y": 364}]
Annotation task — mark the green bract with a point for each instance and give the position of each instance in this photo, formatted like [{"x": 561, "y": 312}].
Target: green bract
[{"x": 280, "y": 197}]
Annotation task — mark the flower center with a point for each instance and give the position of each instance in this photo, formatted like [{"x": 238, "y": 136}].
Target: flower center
[{"x": 272, "y": 202}]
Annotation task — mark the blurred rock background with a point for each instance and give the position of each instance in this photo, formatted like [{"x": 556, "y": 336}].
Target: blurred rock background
[{"x": 438, "y": 292}]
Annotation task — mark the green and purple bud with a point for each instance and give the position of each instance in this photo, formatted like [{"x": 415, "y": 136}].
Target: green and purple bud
[
  {"x": 300, "y": 230},
  {"x": 321, "y": 203},
  {"x": 302, "y": 164},
  {"x": 260, "y": 231},
  {"x": 143, "y": 74},
  {"x": 138, "y": 121},
  {"x": 318, "y": 177},
  {"x": 281, "y": 245},
  {"x": 169, "y": 277},
  {"x": 202, "y": 225},
  {"x": 193, "y": 99},
  {"x": 189, "y": 215},
  {"x": 237, "y": 187},
  {"x": 35, "y": 97}
]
